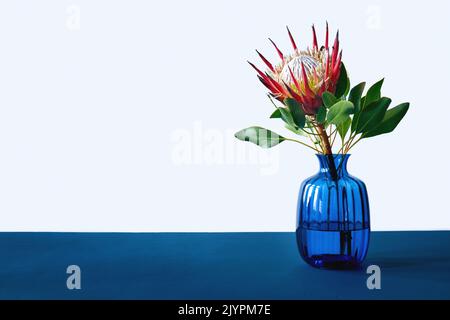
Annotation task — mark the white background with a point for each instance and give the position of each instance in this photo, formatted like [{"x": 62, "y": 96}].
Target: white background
[{"x": 119, "y": 115}]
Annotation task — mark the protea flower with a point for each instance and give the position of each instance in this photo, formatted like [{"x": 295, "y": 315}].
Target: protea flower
[
  {"x": 303, "y": 75},
  {"x": 307, "y": 80}
]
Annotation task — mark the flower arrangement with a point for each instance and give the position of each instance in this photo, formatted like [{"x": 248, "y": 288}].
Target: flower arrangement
[{"x": 311, "y": 93}]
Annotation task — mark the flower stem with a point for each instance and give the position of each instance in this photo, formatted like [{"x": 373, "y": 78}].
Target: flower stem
[
  {"x": 352, "y": 145},
  {"x": 325, "y": 139},
  {"x": 313, "y": 128},
  {"x": 328, "y": 150},
  {"x": 306, "y": 145}
]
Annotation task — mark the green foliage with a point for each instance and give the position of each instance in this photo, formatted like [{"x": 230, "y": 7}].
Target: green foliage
[
  {"x": 276, "y": 114},
  {"x": 343, "y": 127},
  {"x": 343, "y": 83},
  {"x": 321, "y": 115},
  {"x": 364, "y": 116},
  {"x": 355, "y": 96},
  {"x": 372, "y": 115},
  {"x": 340, "y": 112},
  {"x": 373, "y": 94},
  {"x": 295, "y": 130},
  {"x": 390, "y": 121},
  {"x": 260, "y": 136},
  {"x": 287, "y": 116},
  {"x": 329, "y": 99},
  {"x": 298, "y": 116}
]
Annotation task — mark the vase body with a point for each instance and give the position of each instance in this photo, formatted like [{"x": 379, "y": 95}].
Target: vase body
[{"x": 333, "y": 221}]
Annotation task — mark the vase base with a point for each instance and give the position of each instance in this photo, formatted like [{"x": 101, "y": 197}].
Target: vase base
[
  {"x": 333, "y": 249},
  {"x": 332, "y": 261}
]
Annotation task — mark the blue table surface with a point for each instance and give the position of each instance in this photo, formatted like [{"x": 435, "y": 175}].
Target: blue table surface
[{"x": 414, "y": 265}]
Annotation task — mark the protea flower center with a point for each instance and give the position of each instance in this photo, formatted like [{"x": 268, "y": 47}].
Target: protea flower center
[
  {"x": 295, "y": 65},
  {"x": 303, "y": 75}
]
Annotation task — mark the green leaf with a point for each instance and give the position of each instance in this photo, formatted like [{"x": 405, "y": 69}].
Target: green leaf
[
  {"x": 372, "y": 115},
  {"x": 297, "y": 113},
  {"x": 343, "y": 127},
  {"x": 329, "y": 99},
  {"x": 343, "y": 83},
  {"x": 260, "y": 136},
  {"x": 347, "y": 88},
  {"x": 286, "y": 116},
  {"x": 356, "y": 119},
  {"x": 390, "y": 121},
  {"x": 295, "y": 130},
  {"x": 373, "y": 94},
  {"x": 321, "y": 115},
  {"x": 355, "y": 96},
  {"x": 276, "y": 114},
  {"x": 340, "y": 112}
]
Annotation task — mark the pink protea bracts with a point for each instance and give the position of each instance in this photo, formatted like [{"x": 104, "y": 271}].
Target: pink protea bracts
[{"x": 303, "y": 75}]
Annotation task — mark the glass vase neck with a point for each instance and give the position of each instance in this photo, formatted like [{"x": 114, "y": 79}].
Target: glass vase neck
[{"x": 334, "y": 165}]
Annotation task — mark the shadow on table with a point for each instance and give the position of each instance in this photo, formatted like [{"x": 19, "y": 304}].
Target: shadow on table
[
  {"x": 411, "y": 262},
  {"x": 420, "y": 253}
]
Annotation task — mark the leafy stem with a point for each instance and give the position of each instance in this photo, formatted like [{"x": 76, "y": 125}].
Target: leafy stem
[
  {"x": 353, "y": 144},
  {"x": 302, "y": 143},
  {"x": 346, "y": 113}
]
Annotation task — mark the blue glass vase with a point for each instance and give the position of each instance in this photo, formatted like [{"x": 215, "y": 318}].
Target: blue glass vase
[{"x": 333, "y": 222}]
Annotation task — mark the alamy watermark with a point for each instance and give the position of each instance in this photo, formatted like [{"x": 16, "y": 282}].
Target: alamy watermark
[
  {"x": 374, "y": 280},
  {"x": 73, "y": 20},
  {"x": 374, "y": 15},
  {"x": 74, "y": 280},
  {"x": 200, "y": 146}
]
